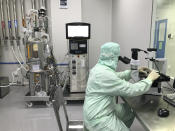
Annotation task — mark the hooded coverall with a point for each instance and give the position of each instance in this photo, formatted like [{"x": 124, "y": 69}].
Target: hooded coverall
[{"x": 100, "y": 111}]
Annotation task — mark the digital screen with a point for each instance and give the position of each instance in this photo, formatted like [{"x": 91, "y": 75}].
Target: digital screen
[
  {"x": 63, "y": 2},
  {"x": 78, "y": 31},
  {"x": 74, "y": 46},
  {"x": 82, "y": 45}
]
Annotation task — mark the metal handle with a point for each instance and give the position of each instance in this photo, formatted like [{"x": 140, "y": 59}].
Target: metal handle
[{"x": 5, "y": 86}]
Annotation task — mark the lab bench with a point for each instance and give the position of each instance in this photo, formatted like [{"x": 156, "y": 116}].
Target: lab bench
[{"x": 145, "y": 108}]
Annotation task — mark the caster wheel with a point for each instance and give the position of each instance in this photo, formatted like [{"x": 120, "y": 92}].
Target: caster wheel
[
  {"x": 48, "y": 103},
  {"x": 29, "y": 104}
]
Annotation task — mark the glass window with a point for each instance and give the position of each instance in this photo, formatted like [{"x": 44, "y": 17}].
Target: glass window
[{"x": 164, "y": 32}]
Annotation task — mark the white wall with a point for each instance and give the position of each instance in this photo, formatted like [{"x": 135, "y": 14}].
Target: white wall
[
  {"x": 99, "y": 14},
  {"x": 131, "y": 25},
  {"x": 59, "y": 17}
]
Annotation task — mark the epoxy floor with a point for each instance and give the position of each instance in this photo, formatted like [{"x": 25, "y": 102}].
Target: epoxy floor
[{"x": 14, "y": 116}]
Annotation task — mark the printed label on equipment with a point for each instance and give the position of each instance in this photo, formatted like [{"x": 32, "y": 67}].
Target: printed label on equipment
[
  {"x": 35, "y": 67},
  {"x": 82, "y": 63},
  {"x": 35, "y": 47}
]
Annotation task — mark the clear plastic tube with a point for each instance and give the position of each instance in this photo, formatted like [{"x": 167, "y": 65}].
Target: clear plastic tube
[
  {"x": 18, "y": 59},
  {"x": 21, "y": 54}
]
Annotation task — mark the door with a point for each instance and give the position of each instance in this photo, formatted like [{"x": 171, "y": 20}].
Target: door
[{"x": 160, "y": 37}]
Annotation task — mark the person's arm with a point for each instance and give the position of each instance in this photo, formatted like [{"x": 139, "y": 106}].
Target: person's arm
[
  {"x": 109, "y": 83},
  {"x": 126, "y": 75}
]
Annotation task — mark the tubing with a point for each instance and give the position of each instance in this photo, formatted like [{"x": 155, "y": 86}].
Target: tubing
[
  {"x": 21, "y": 54},
  {"x": 15, "y": 19},
  {"x": 6, "y": 86},
  {"x": 39, "y": 4},
  {"x": 18, "y": 59},
  {"x": 23, "y": 13},
  {"x": 22, "y": 2},
  {"x": 4, "y": 36},
  {"x": 44, "y": 3},
  {"x": 33, "y": 4},
  {"x": 9, "y": 22},
  {"x": 2, "y": 16}
]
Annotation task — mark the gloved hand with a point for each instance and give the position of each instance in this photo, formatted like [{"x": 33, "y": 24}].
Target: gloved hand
[
  {"x": 144, "y": 70},
  {"x": 153, "y": 75}
]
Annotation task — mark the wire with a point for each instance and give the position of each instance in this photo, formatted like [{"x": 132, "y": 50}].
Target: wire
[
  {"x": 65, "y": 83},
  {"x": 20, "y": 54},
  {"x": 13, "y": 78},
  {"x": 65, "y": 58},
  {"x": 18, "y": 59}
]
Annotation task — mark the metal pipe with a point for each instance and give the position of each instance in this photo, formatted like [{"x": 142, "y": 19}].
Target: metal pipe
[
  {"x": 15, "y": 18},
  {"x": 23, "y": 13},
  {"x": 6, "y": 86},
  {"x": 4, "y": 36},
  {"x": 14, "y": 9},
  {"x": 22, "y": 2},
  {"x": 2, "y": 12},
  {"x": 33, "y": 4},
  {"x": 2, "y": 24},
  {"x": 44, "y": 3},
  {"x": 39, "y": 4},
  {"x": 9, "y": 22},
  {"x": 46, "y": 7},
  {"x": 16, "y": 23}
]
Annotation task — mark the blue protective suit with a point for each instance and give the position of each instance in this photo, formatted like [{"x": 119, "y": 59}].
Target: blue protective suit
[{"x": 101, "y": 113}]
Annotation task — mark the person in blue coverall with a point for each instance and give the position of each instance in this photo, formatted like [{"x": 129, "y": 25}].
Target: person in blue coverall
[{"x": 100, "y": 111}]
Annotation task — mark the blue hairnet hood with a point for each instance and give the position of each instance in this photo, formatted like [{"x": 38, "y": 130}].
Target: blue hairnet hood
[{"x": 109, "y": 54}]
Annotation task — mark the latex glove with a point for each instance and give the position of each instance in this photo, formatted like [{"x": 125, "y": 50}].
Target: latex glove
[
  {"x": 144, "y": 70},
  {"x": 153, "y": 75}
]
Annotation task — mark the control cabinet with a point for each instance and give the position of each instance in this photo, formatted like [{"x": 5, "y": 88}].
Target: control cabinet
[{"x": 78, "y": 35}]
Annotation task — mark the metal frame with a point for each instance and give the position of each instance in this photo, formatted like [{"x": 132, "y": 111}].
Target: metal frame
[
  {"x": 58, "y": 102},
  {"x": 30, "y": 96},
  {"x": 79, "y": 91}
]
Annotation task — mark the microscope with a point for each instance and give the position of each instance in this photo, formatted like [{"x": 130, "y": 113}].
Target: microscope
[
  {"x": 135, "y": 62},
  {"x": 137, "y": 76}
]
